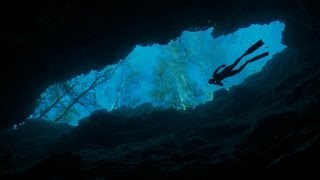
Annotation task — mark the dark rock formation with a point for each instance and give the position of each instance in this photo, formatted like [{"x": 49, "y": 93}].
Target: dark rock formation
[
  {"x": 66, "y": 165},
  {"x": 266, "y": 127}
]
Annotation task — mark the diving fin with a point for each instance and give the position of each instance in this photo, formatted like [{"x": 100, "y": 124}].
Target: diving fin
[{"x": 254, "y": 47}]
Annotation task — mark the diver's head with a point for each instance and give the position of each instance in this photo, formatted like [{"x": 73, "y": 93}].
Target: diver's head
[{"x": 214, "y": 81}]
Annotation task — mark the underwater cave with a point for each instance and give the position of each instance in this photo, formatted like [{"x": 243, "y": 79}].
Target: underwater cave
[
  {"x": 127, "y": 90},
  {"x": 173, "y": 75}
]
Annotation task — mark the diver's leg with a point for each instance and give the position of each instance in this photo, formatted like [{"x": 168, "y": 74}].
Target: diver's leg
[
  {"x": 230, "y": 67},
  {"x": 233, "y": 72},
  {"x": 250, "y": 50},
  {"x": 258, "y": 57}
]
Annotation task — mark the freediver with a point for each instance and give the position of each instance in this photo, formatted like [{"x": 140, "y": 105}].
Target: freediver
[{"x": 228, "y": 70}]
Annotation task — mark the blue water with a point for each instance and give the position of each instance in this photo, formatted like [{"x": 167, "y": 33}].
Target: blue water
[{"x": 173, "y": 75}]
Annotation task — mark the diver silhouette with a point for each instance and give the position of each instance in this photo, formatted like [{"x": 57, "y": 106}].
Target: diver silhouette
[{"x": 228, "y": 70}]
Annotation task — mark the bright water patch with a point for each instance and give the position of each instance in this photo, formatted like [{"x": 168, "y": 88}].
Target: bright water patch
[{"x": 173, "y": 75}]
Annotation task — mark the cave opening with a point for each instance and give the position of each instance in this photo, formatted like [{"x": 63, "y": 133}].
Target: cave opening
[{"x": 172, "y": 75}]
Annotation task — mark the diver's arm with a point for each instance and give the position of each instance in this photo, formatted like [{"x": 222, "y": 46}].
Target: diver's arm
[
  {"x": 219, "y": 83},
  {"x": 216, "y": 71}
]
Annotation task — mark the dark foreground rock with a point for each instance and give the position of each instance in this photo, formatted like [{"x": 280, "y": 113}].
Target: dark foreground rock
[{"x": 266, "y": 127}]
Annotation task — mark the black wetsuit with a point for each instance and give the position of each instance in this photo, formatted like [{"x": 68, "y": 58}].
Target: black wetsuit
[{"x": 228, "y": 70}]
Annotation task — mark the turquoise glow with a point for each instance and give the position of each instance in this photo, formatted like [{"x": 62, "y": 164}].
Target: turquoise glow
[{"x": 173, "y": 75}]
